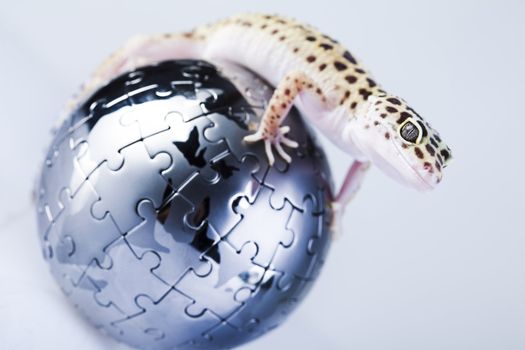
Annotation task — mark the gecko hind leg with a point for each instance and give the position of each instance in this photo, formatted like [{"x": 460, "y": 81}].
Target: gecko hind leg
[{"x": 270, "y": 130}]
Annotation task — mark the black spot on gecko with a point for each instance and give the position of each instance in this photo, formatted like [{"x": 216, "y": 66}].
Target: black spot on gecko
[
  {"x": 433, "y": 142},
  {"x": 371, "y": 83},
  {"x": 445, "y": 154},
  {"x": 365, "y": 93},
  {"x": 430, "y": 149},
  {"x": 360, "y": 71},
  {"x": 387, "y": 135},
  {"x": 351, "y": 79},
  {"x": 310, "y": 59},
  {"x": 322, "y": 67},
  {"x": 391, "y": 109},
  {"x": 404, "y": 116},
  {"x": 353, "y": 105},
  {"x": 349, "y": 57},
  {"x": 326, "y": 46},
  {"x": 311, "y": 38},
  {"x": 340, "y": 66},
  {"x": 275, "y": 31},
  {"x": 419, "y": 152},
  {"x": 394, "y": 100}
]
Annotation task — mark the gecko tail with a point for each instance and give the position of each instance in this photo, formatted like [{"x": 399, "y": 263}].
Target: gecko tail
[{"x": 143, "y": 50}]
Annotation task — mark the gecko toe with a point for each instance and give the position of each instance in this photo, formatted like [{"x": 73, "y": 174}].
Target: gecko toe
[
  {"x": 253, "y": 137},
  {"x": 283, "y": 153},
  {"x": 288, "y": 142},
  {"x": 269, "y": 152},
  {"x": 284, "y": 129}
]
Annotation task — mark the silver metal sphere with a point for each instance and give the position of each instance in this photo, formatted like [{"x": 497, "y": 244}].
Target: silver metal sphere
[{"x": 163, "y": 227}]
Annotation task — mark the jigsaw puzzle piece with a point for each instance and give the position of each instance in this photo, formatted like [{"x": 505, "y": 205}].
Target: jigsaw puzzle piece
[
  {"x": 78, "y": 228},
  {"x": 143, "y": 179},
  {"x": 118, "y": 285},
  {"x": 199, "y": 71},
  {"x": 60, "y": 163},
  {"x": 163, "y": 323},
  {"x": 69, "y": 127},
  {"x": 151, "y": 118},
  {"x": 293, "y": 191},
  {"x": 168, "y": 79},
  {"x": 210, "y": 99},
  {"x": 187, "y": 147},
  {"x": 236, "y": 179},
  {"x": 106, "y": 137},
  {"x": 59, "y": 245},
  {"x": 268, "y": 306},
  {"x": 230, "y": 128},
  {"x": 263, "y": 225},
  {"x": 81, "y": 294},
  {"x": 65, "y": 274},
  {"x": 156, "y": 234},
  {"x": 238, "y": 264},
  {"x": 308, "y": 229},
  {"x": 208, "y": 294}
]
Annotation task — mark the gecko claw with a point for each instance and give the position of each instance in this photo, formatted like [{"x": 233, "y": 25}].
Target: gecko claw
[{"x": 276, "y": 139}]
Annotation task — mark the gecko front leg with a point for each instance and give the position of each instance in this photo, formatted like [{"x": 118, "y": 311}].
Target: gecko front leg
[
  {"x": 270, "y": 130},
  {"x": 351, "y": 184}
]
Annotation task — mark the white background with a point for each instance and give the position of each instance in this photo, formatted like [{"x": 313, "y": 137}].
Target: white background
[{"x": 441, "y": 270}]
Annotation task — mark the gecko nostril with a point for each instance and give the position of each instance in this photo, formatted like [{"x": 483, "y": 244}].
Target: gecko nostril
[{"x": 428, "y": 167}]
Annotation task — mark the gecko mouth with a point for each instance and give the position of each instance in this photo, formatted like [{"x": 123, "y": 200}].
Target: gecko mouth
[{"x": 424, "y": 182}]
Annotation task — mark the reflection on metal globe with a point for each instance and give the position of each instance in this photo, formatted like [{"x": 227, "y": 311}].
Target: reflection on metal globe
[{"x": 163, "y": 227}]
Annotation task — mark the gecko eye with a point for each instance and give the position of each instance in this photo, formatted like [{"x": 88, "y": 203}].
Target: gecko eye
[{"x": 410, "y": 131}]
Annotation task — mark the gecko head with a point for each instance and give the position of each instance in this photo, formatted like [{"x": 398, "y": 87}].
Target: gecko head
[{"x": 400, "y": 142}]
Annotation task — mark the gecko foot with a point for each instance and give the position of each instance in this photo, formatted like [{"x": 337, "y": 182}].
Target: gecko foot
[
  {"x": 335, "y": 227},
  {"x": 277, "y": 139}
]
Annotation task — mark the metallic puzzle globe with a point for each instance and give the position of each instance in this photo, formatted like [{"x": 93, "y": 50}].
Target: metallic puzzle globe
[{"x": 163, "y": 227}]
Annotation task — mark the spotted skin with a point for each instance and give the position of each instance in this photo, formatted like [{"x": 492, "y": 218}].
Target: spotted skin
[{"x": 321, "y": 77}]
